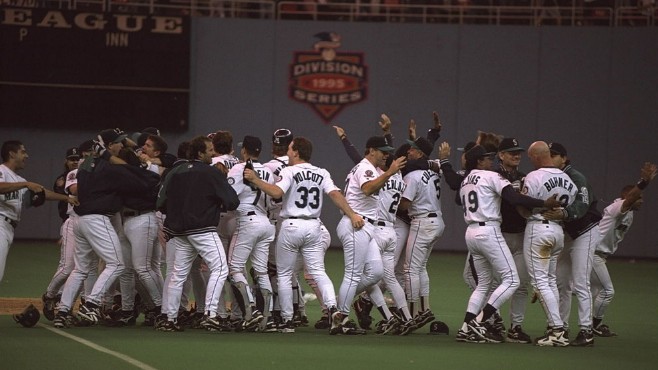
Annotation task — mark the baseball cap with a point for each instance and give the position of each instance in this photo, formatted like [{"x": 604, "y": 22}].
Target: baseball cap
[
  {"x": 379, "y": 143},
  {"x": 282, "y": 137},
  {"x": 423, "y": 145},
  {"x": 87, "y": 146},
  {"x": 509, "y": 144},
  {"x": 73, "y": 153},
  {"x": 558, "y": 149},
  {"x": 439, "y": 327},
  {"x": 151, "y": 131},
  {"x": 251, "y": 143},
  {"x": 476, "y": 153},
  {"x": 112, "y": 136},
  {"x": 467, "y": 147}
]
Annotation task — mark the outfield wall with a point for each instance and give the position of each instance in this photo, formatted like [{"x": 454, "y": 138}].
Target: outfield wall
[{"x": 592, "y": 89}]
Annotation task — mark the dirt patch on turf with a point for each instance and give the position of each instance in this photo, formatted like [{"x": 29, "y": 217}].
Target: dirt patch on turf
[{"x": 10, "y": 306}]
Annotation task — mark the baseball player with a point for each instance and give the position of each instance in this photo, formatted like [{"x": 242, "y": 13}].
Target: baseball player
[
  {"x": 100, "y": 187},
  {"x": 224, "y": 160},
  {"x": 301, "y": 187},
  {"x": 70, "y": 163},
  {"x": 252, "y": 236},
  {"x": 544, "y": 239},
  {"x": 513, "y": 228},
  {"x": 15, "y": 193},
  {"x": 581, "y": 223},
  {"x": 67, "y": 241},
  {"x": 138, "y": 234},
  {"x": 481, "y": 196},
  {"x": 363, "y": 264},
  {"x": 193, "y": 195},
  {"x": 421, "y": 200},
  {"x": 617, "y": 219},
  {"x": 281, "y": 139},
  {"x": 386, "y": 239}
]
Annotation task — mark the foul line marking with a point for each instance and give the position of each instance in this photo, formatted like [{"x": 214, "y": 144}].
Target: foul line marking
[{"x": 98, "y": 348}]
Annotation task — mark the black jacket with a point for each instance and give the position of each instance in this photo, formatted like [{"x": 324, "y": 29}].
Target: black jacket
[
  {"x": 101, "y": 186},
  {"x": 192, "y": 195}
]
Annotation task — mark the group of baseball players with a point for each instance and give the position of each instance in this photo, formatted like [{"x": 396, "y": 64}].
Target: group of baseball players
[{"x": 127, "y": 205}]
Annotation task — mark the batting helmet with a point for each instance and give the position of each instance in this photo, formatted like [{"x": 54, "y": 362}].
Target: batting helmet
[
  {"x": 29, "y": 317},
  {"x": 439, "y": 327},
  {"x": 282, "y": 137}
]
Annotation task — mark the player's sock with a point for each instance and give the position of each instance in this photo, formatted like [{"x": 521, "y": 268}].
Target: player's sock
[
  {"x": 596, "y": 322},
  {"x": 487, "y": 312},
  {"x": 386, "y": 313}
]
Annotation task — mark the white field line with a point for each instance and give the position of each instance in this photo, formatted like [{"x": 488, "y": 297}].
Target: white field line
[{"x": 138, "y": 364}]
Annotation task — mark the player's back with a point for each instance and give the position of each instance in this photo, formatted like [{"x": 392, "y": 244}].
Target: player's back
[{"x": 545, "y": 182}]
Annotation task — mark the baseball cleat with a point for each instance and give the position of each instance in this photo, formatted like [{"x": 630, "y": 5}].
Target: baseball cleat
[
  {"x": 323, "y": 322},
  {"x": 215, "y": 323},
  {"x": 362, "y": 308},
  {"x": 63, "y": 320},
  {"x": 89, "y": 313},
  {"x": 479, "y": 330},
  {"x": 553, "y": 338},
  {"x": 49, "y": 307},
  {"x": 468, "y": 337},
  {"x": 390, "y": 326},
  {"x": 256, "y": 317},
  {"x": 407, "y": 327},
  {"x": 169, "y": 326},
  {"x": 603, "y": 331},
  {"x": 287, "y": 328},
  {"x": 423, "y": 318},
  {"x": 585, "y": 338},
  {"x": 517, "y": 335}
]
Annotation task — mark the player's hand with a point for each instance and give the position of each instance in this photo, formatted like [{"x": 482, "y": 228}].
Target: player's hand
[
  {"x": 444, "y": 150},
  {"x": 437, "y": 121},
  {"x": 73, "y": 201},
  {"x": 98, "y": 146},
  {"x": 398, "y": 164},
  {"x": 340, "y": 132},
  {"x": 552, "y": 202},
  {"x": 36, "y": 188},
  {"x": 648, "y": 172},
  {"x": 250, "y": 175},
  {"x": 554, "y": 214},
  {"x": 357, "y": 221},
  {"x": 412, "y": 130},
  {"x": 385, "y": 124}
]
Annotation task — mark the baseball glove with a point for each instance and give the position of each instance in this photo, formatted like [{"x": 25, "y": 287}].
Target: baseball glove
[
  {"x": 29, "y": 317},
  {"x": 37, "y": 199}
]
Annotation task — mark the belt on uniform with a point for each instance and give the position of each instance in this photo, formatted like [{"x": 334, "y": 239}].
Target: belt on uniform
[
  {"x": 302, "y": 218},
  {"x": 490, "y": 223},
  {"x": 135, "y": 213},
  {"x": 13, "y": 223},
  {"x": 370, "y": 220},
  {"x": 429, "y": 215},
  {"x": 383, "y": 223},
  {"x": 545, "y": 222}
]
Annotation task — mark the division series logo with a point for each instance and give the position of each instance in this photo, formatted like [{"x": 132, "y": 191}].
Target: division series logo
[{"x": 328, "y": 80}]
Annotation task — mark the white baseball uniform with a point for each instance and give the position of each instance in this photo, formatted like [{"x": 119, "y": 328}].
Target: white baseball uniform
[
  {"x": 10, "y": 213},
  {"x": 386, "y": 238},
  {"x": 543, "y": 239},
  {"x": 613, "y": 227},
  {"x": 253, "y": 232},
  {"x": 301, "y": 232},
  {"x": 363, "y": 266},
  {"x": 480, "y": 196},
  {"x": 423, "y": 190}
]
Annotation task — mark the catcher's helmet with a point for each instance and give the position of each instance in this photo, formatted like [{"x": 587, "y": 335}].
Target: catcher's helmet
[
  {"x": 29, "y": 317},
  {"x": 439, "y": 327}
]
